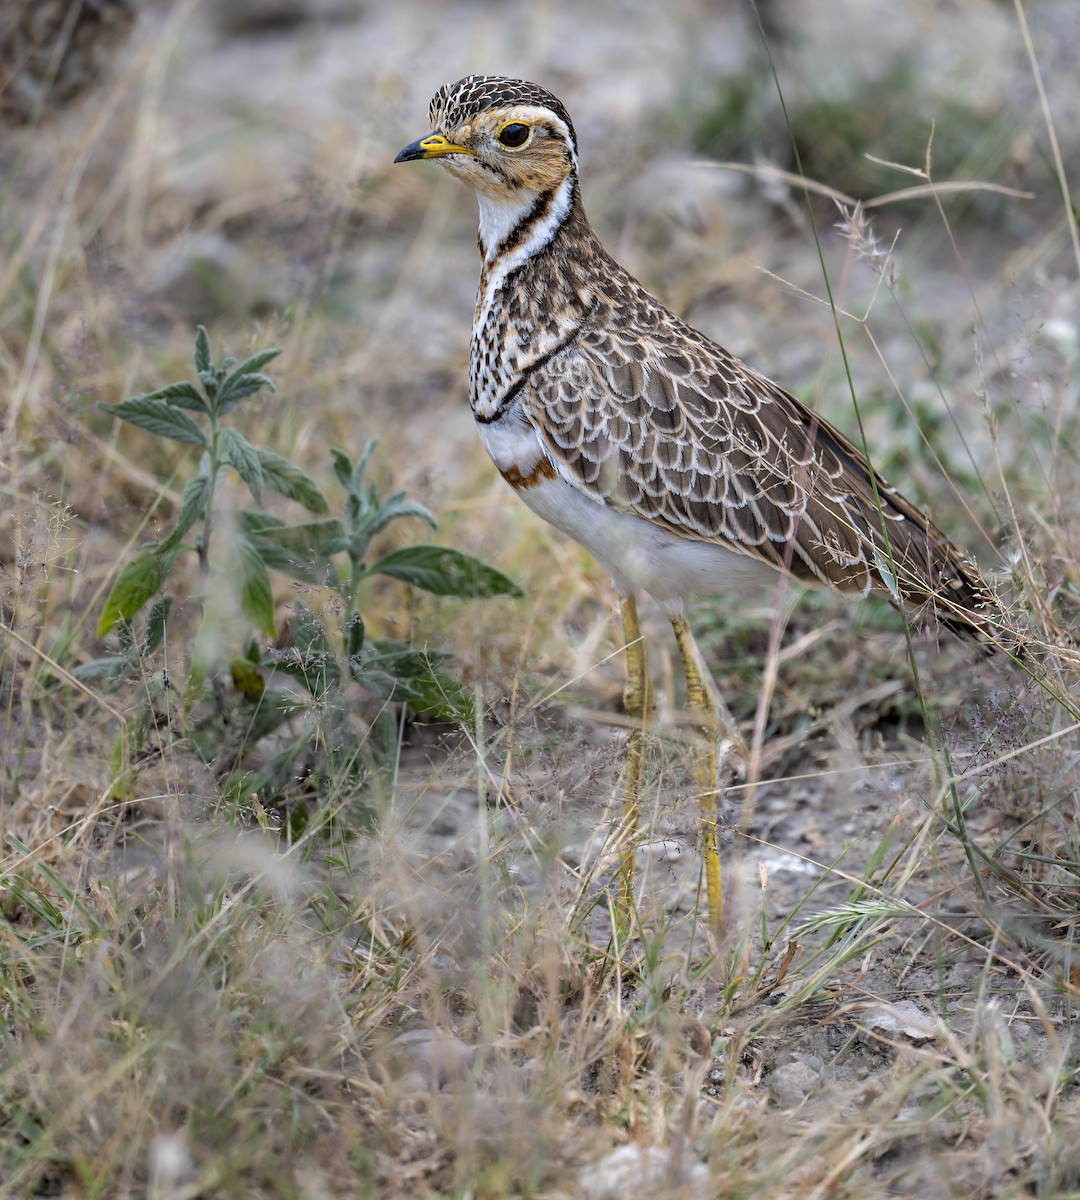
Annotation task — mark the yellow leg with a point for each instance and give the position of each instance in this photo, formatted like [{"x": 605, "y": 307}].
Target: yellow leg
[
  {"x": 638, "y": 700},
  {"x": 723, "y": 743}
]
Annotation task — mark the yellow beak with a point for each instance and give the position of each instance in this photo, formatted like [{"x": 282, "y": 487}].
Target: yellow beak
[{"x": 433, "y": 146}]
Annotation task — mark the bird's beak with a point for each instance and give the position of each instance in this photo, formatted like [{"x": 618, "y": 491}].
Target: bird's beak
[{"x": 433, "y": 146}]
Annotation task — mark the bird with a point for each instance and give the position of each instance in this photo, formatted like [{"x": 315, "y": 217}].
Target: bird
[{"x": 681, "y": 469}]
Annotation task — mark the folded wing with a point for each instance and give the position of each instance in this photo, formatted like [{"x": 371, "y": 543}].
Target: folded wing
[{"x": 689, "y": 437}]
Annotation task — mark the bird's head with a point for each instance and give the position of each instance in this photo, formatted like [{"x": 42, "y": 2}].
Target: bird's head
[{"x": 503, "y": 137}]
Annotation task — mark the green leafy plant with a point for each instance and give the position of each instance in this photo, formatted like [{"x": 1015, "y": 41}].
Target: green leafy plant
[{"x": 302, "y": 683}]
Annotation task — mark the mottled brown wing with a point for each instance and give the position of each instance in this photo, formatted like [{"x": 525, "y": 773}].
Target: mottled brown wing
[{"x": 671, "y": 427}]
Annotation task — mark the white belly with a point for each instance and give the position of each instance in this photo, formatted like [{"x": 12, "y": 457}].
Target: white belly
[{"x": 636, "y": 553}]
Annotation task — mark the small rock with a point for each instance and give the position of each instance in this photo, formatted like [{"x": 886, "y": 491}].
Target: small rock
[
  {"x": 662, "y": 850},
  {"x": 904, "y": 1019},
  {"x": 776, "y": 861},
  {"x": 573, "y": 855},
  {"x": 791, "y": 1083},
  {"x": 170, "y": 1163},
  {"x": 439, "y": 1057},
  {"x": 631, "y": 1171}
]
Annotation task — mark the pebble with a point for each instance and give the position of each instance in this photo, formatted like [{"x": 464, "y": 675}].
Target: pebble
[
  {"x": 642, "y": 1171},
  {"x": 440, "y": 1058},
  {"x": 791, "y": 1083},
  {"x": 902, "y": 1020}
]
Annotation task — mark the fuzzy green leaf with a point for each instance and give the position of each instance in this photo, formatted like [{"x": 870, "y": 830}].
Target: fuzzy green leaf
[
  {"x": 391, "y": 509},
  {"x": 303, "y": 551},
  {"x": 440, "y": 696},
  {"x": 240, "y": 387},
  {"x": 251, "y": 366},
  {"x": 242, "y": 455},
  {"x": 154, "y": 634},
  {"x": 390, "y": 670},
  {"x": 315, "y": 655},
  {"x": 343, "y": 468},
  {"x": 288, "y": 480},
  {"x": 192, "y": 508},
  {"x": 401, "y": 660},
  {"x": 251, "y": 580},
  {"x": 354, "y": 635},
  {"x": 180, "y": 395},
  {"x": 266, "y": 713},
  {"x": 350, "y": 475},
  {"x": 98, "y": 670},
  {"x": 158, "y": 417},
  {"x": 204, "y": 362},
  {"x": 445, "y": 572},
  {"x": 137, "y": 582}
]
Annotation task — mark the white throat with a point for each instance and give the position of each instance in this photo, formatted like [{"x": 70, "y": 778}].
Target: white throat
[
  {"x": 498, "y": 222},
  {"x": 499, "y": 218}
]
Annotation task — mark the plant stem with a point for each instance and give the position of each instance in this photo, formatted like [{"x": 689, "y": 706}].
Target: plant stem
[{"x": 208, "y": 521}]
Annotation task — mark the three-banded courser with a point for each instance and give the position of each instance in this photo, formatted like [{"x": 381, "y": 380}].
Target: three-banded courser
[{"x": 680, "y": 468}]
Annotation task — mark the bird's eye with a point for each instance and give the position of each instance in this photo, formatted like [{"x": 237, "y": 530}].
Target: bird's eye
[{"x": 513, "y": 135}]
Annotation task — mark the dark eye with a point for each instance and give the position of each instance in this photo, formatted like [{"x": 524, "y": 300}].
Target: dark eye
[{"x": 513, "y": 135}]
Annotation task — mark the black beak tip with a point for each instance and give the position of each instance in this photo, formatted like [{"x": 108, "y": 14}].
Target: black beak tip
[{"x": 411, "y": 152}]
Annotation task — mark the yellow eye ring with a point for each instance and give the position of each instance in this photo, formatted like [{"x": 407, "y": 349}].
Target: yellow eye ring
[{"x": 513, "y": 135}]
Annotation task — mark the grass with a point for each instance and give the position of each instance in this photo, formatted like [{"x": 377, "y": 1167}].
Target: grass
[{"x": 205, "y": 997}]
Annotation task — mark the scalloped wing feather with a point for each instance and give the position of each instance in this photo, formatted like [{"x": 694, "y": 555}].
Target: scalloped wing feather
[{"x": 664, "y": 423}]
